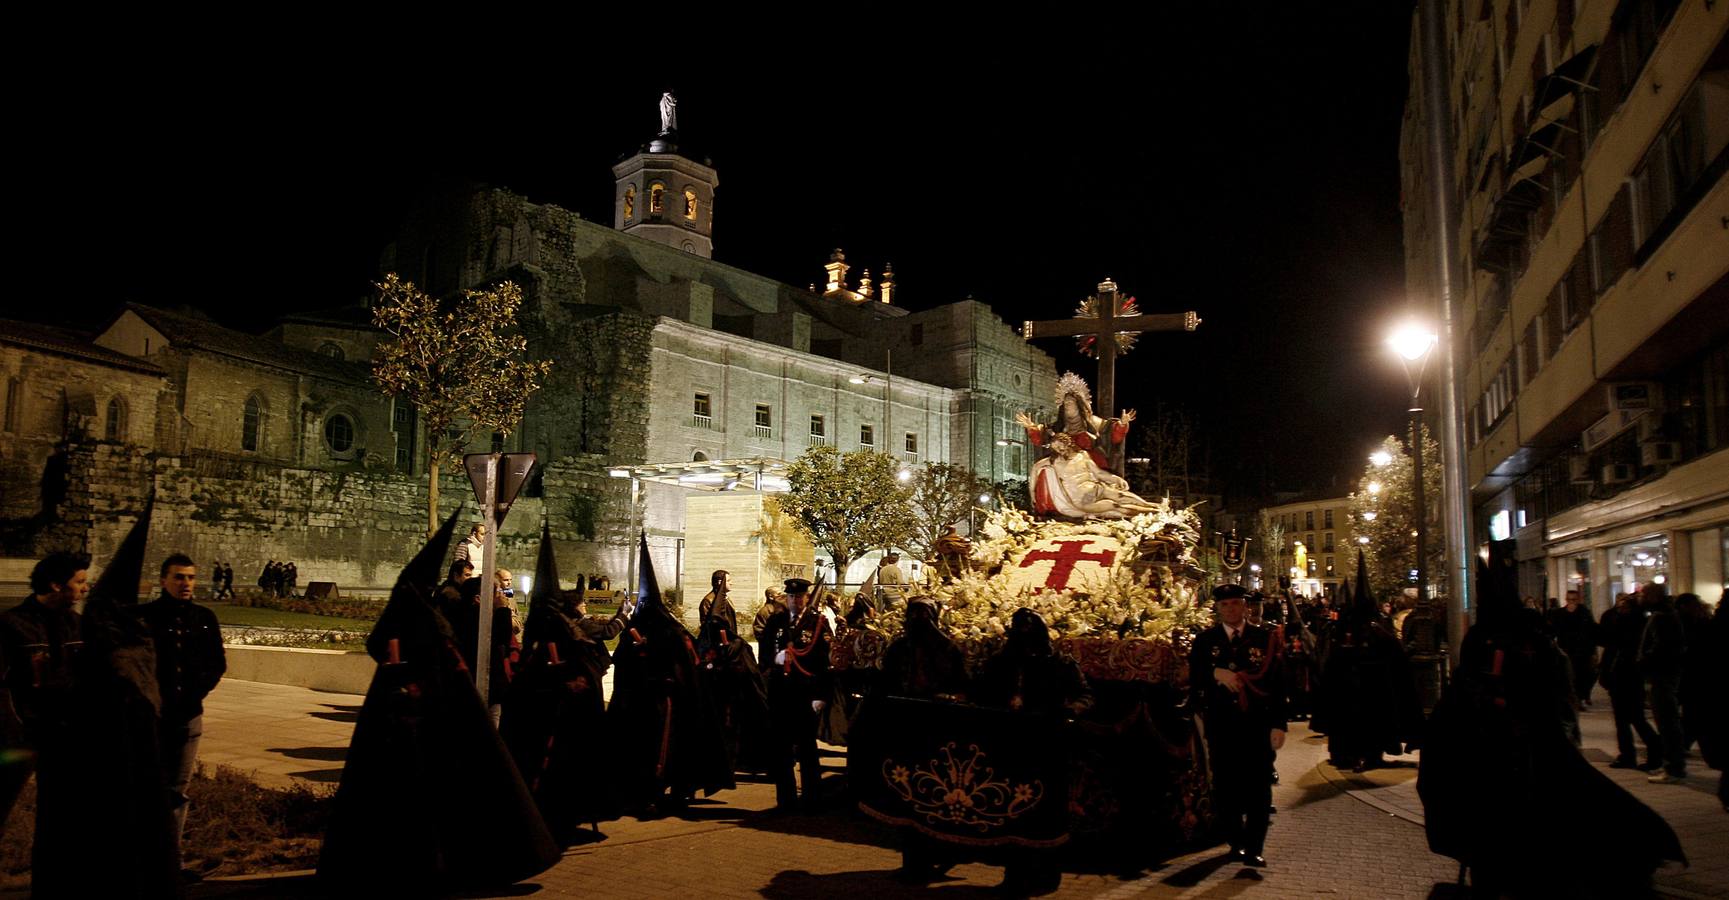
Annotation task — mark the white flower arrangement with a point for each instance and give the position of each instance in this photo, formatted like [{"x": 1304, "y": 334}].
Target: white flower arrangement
[{"x": 1146, "y": 599}]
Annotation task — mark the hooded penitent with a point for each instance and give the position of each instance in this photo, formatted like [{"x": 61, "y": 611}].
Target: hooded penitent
[
  {"x": 1027, "y": 675},
  {"x": 923, "y": 662},
  {"x": 429, "y": 799},
  {"x": 119, "y": 841},
  {"x": 1504, "y": 789},
  {"x": 661, "y": 713},
  {"x": 554, "y": 721},
  {"x": 1368, "y": 703}
]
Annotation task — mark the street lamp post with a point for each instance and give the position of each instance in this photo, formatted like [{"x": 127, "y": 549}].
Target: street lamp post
[{"x": 1413, "y": 344}]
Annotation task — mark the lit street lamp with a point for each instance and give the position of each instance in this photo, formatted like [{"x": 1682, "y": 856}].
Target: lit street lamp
[
  {"x": 1380, "y": 459},
  {"x": 1413, "y": 343}
]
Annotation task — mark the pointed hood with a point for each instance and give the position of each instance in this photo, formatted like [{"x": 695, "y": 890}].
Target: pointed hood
[
  {"x": 647, "y": 586},
  {"x": 652, "y": 617},
  {"x": 118, "y": 586},
  {"x": 1363, "y": 600},
  {"x": 118, "y": 648},
  {"x": 426, "y": 569},
  {"x": 1498, "y": 603},
  {"x": 1342, "y": 600},
  {"x": 545, "y": 571}
]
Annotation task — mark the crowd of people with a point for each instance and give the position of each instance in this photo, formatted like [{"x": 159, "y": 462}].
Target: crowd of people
[
  {"x": 107, "y": 695},
  {"x": 278, "y": 579},
  {"x": 111, "y": 701}
]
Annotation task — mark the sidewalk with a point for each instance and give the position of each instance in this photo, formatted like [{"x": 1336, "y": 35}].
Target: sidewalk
[{"x": 1336, "y": 834}]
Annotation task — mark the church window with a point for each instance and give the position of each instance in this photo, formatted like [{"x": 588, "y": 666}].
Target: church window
[
  {"x": 656, "y": 198},
  {"x": 1309, "y": 539},
  {"x": 1327, "y": 542},
  {"x": 14, "y": 403},
  {"x": 690, "y": 204},
  {"x": 251, "y": 423},
  {"x": 1328, "y": 517},
  {"x": 339, "y": 433},
  {"x": 115, "y": 428},
  {"x": 331, "y": 350},
  {"x": 1309, "y": 519},
  {"x": 912, "y": 443},
  {"x": 630, "y": 203},
  {"x": 818, "y": 427},
  {"x": 764, "y": 420},
  {"x": 867, "y": 435}
]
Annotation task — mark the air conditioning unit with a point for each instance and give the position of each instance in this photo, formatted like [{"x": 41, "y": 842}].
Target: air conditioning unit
[
  {"x": 1635, "y": 395},
  {"x": 1579, "y": 469},
  {"x": 1659, "y": 453},
  {"x": 1617, "y": 473}
]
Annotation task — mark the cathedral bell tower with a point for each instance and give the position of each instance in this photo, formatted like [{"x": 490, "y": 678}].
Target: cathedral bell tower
[{"x": 663, "y": 196}]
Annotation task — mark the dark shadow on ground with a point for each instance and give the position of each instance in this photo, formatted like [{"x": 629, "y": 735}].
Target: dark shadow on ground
[
  {"x": 797, "y": 884},
  {"x": 307, "y": 887},
  {"x": 325, "y": 754},
  {"x": 348, "y": 717},
  {"x": 325, "y": 776},
  {"x": 1197, "y": 872}
]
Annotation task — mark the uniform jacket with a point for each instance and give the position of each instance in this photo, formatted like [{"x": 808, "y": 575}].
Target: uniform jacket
[
  {"x": 189, "y": 657},
  {"x": 806, "y": 641},
  {"x": 1256, "y": 656}
]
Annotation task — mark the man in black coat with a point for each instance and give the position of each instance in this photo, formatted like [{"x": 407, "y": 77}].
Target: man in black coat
[
  {"x": 1576, "y": 634},
  {"x": 40, "y": 641},
  {"x": 1620, "y": 629},
  {"x": 1236, "y": 684},
  {"x": 189, "y": 664},
  {"x": 796, "y": 645}
]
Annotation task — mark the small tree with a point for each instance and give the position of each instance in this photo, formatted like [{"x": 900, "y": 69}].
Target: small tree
[
  {"x": 942, "y": 494},
  {"x": 847, "y": 505},
  {"x": 1270, "y": 534},
  {"x": 1381, "y": 511},
  {"x": 464, "y": 367}
]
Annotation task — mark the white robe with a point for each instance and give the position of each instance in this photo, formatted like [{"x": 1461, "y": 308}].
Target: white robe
[{"x": 1078, "y": 488}]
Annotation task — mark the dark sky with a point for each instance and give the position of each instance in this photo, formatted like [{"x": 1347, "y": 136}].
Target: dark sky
[{"x": 1243, "y": 163}]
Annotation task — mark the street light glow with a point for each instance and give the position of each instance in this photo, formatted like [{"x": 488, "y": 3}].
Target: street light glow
[
  {"x": 1363, "y": 540},
  {"x": 1412, "y": 341},
  {"x": 904, "y": 474},
  {"x": 1375, "y": 488},
  {"x": 1370, "y": 516},
  {"x": 1380, "y": 458},
  {"x": 985, "y": 499}
]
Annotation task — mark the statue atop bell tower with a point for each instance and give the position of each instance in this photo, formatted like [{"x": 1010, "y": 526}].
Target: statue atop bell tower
[{"x": 663, "y": 196}]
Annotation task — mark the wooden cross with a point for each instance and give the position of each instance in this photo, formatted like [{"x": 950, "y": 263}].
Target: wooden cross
[{"x": 1105, "y": 329}]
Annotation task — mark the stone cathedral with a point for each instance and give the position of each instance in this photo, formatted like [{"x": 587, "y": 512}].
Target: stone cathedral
[{"x": 279, "y": 445}]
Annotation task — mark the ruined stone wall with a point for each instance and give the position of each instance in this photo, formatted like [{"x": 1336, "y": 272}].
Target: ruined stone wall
[{"x": 354, "y": 528}]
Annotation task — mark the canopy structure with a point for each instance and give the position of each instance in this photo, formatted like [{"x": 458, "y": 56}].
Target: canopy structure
[{"x": 756, "y": 473}]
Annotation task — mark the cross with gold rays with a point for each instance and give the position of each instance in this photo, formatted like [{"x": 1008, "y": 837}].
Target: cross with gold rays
[{"x": 1110, "y": 331}]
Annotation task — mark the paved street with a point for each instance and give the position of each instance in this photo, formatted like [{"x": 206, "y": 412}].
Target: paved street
[{"x": 1336, "y": 834}]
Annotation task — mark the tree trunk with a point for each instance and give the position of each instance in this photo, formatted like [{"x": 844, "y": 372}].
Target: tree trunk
[
  {"x": 840, "y": 567},
  {"x": 432, "y": 495}
]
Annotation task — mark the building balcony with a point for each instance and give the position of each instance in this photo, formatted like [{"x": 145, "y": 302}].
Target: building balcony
[
  {"x": 821, "y": 440},
  {"x": 706, "y": 423},
  {"x": 762, "y": 431}
]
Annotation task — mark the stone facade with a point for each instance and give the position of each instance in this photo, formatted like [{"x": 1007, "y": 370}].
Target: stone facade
[{"x": 280, "y": 445}]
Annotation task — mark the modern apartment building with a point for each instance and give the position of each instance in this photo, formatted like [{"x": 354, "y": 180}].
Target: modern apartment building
[{"x": 1591, "y": 273}]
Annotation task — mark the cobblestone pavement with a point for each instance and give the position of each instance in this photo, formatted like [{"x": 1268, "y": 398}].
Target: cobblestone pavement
[{"x": 1336, "y": 834}]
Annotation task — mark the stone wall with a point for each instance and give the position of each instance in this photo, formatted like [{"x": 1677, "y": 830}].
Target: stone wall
[{"x": 353, "y": 528}]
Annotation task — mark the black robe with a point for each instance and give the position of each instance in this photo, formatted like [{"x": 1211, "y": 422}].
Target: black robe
[
  {"x": 1507, "y": 793},
  {"x": 430, "y": 800},
  {"x": 736, "y": 686},
  {"x": 1367, "y": 703},
  {"x": 554, "y": 721},
  {"x": 662, "y": 715}
]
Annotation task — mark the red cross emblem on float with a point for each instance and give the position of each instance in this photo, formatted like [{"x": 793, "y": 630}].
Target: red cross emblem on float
[{"x": 1065, "y": 557}]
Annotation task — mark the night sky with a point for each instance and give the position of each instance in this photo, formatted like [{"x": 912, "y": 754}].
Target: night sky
[{"x": 1241, "y": 162}]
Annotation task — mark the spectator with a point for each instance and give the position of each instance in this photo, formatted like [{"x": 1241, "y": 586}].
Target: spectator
[
  {"x": 1660, "y": 655},
  {"x": 189, "y": 664},
  {"x": 1618, "y": 634}
]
